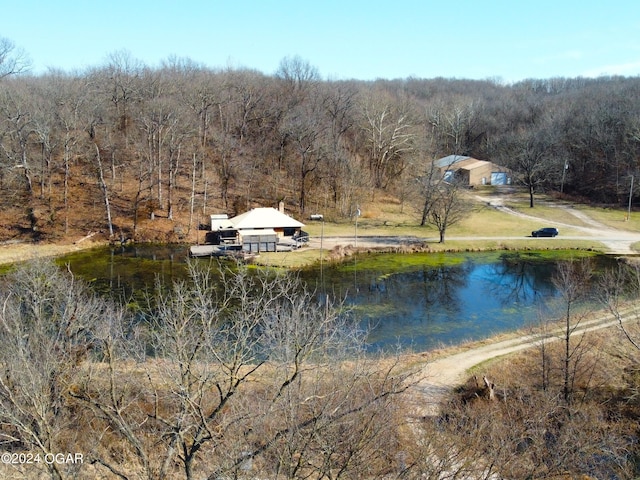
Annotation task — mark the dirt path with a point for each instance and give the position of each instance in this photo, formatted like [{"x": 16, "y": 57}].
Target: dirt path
[
  {"x": 616, "y": 241},
  {"x": 443, "y": 374}
]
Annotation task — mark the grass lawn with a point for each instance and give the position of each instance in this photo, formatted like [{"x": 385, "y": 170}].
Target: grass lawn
[
  {"x": 392, "y": 219},
  {"x": 614, "y": 217}
]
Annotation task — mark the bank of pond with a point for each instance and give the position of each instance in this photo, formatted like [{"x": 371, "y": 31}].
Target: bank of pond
[{"x": 419, "y": 301}]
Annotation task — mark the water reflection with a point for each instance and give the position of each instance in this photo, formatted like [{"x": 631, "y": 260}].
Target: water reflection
[
  {"x": 518, "y": 279},
  {"x": 129, "y": 273},
  {"x": 419, "y": 304},
  {"x": 432, "y": 305},
  {"x": 451, "y": 304}
]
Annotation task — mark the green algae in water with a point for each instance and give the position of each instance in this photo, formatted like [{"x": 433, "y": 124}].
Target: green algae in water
[
  {"x": 547, "y": 255},
  {"x": 425, "y": 300},
  {"x": 127, "y": 273},
  {"x": 391, "y": 262}
]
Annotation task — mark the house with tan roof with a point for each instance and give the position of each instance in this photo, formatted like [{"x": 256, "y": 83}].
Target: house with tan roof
[{"x": 262, "y": 229}]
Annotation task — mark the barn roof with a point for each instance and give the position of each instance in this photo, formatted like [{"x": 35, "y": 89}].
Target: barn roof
[
  {"x": 455, "y": 162},
  {"x": 473, "y": 163},
  {"x": 265, "y": 217},
  {"x": 450, "y": 160}
]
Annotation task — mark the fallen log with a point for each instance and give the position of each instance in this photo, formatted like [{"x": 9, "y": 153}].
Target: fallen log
[{"x": 89, "y": 235}]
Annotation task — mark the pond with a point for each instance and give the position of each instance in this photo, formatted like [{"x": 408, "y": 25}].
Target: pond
[{"x": 418, "y": 301}]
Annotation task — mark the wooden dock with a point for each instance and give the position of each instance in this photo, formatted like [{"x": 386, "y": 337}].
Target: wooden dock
[
  {"x": 206, "y": 251},
  {"x": 203, "y": 251}
]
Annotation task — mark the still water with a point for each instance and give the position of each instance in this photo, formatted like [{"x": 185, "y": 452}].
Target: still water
[
  {"x": 418, "y": 301},
  {"x": 460, "y": 298}
]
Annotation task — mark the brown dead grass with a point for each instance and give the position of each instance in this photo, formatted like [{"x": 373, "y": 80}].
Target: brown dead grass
[{"x": 21, "y": 252}]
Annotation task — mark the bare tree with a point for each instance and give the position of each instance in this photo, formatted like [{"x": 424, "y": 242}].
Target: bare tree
[
  {"x": 529, "y": 145},
  {"x": 454, "y": 127},
  {"x": 46, "y": 137},
  {"x": 243, "y": 369},
  {"x": 18, "y": 127},
  {"x": 165, "y": 130},
  {"x": 119, "y": 82},
  {"x": 69, "y": 98},
  {"x": 104, "y": 188},
  {"x": 338, "y": 106},
  {"x": 297, "y": 76},
  {"x": 335, "y": 421},
  {"x": 112, "y": 396},
  {"x": 388, "y": 136},
  {"x": 572, "y": 281},
  {"x": 12, "y": 60},
  {"x": 46, "y": 324},
  {"x": 429, "y": 182},
  {"x": 210, "y": 347},
  {"x": 200, "y": 91},
  {"x": 16, "y": 132},
  {"x": 448, "y": 206},
  {"x": 617, "y": 287},
  {"x": 302, "y": 129}
]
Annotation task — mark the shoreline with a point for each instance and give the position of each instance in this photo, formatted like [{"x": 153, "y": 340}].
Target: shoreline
[
  {"x": 16, "y": 252},
  {"x": 335, "y": 251}
]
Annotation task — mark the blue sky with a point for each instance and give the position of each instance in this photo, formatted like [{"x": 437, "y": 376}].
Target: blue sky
[{"x": 507, "y": 40}]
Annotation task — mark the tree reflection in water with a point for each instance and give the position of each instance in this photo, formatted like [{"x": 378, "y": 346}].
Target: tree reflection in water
[
  {"x": 426, "y": 306},
  {"x": 518, "y": 279}
]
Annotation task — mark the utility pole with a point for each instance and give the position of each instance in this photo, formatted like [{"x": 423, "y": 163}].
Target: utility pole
[
  {"x": 630, "y": 195},
  {"x": 322, "y": 253},
  {"x": 357, "y": 215}
]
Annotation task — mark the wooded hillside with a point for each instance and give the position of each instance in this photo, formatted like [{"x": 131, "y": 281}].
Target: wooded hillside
[{"x": 113, "y": 147}]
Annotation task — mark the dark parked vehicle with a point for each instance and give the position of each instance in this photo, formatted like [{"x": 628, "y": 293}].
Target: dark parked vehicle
[{"x": 545, "y": 232}]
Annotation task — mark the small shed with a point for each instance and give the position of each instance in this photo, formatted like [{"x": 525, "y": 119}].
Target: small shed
[
  {"x": 222, "y": 230},
  {"x": 220, "y": 221}
]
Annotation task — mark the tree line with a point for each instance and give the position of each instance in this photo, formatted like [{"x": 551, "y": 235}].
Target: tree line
[{"x": 123, "y": 142}]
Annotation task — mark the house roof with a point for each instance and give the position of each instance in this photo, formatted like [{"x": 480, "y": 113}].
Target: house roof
[
  {"x": 257, "y": 233},
  {"x": 264, "y": 218}
]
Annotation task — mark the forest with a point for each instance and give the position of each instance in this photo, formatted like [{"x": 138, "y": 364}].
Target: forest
[{"x": 118, "y": 146}]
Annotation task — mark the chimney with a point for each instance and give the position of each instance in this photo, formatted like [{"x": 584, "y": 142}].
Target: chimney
[{"x": 281, "y": 206}]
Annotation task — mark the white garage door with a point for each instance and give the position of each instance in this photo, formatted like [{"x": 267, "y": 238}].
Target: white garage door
[{"x": 498, "y": 178}]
